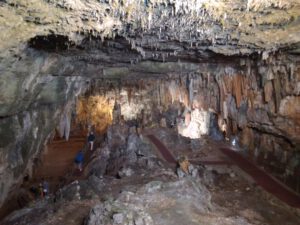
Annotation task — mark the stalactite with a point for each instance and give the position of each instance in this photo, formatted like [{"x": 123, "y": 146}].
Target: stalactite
[
  {"x": 67, "y": 125},
  {"x": 277, "y": 92},
  {"x": 268, "y": 91},
  {"x": 191, "y": 90},
  {"x": 237, "y": 89},
  {"x": 158, "y": 92},
  {"x": 225, "y": 110},
  {"x": 172, "y": 90},
  {"x": 129, "y": 94},
  {"x": 65, "y": 122}
]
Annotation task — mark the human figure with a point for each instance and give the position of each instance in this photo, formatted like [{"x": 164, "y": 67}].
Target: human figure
[
  {"x": 105, "y": 137},
  {"x": 40, "y": 190},
  {"x": 116, "y": 113},
  {"x": 79, "y": 160},
  {"x": 35, "y": 191},
  {"x": 91, "y": 139},
  {"x": 45, "y": 185}
]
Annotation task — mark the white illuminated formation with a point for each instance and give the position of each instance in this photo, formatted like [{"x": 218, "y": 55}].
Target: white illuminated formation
[{"x": 196, "y": 124}]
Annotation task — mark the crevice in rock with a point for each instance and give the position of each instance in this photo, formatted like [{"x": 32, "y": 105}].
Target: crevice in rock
[{"x": 51, "y": 43}]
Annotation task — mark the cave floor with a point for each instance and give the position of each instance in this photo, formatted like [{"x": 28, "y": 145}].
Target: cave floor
[
  {"x": 207, "y": 152},
  {"x": 236, "y": 199},
  {"x": 233, "y": 189},
  {"x": 58, "y": 161},
  {"x": 232, "y": 198}
]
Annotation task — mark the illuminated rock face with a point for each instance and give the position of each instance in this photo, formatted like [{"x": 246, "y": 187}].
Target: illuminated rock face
[
  {"x": 198, "y": 126},
  {"x": 240, "y": 57}
]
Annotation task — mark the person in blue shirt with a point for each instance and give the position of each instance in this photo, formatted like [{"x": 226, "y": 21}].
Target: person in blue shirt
[
  {"x": 91, "y": 139},
  {"x": 79, "y": 160}
]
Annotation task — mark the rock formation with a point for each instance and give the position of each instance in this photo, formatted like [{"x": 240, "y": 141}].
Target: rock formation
[{"x": 239, "y": 57}]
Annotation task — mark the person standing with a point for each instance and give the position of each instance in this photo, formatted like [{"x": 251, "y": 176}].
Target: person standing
[
  {"x": 91, "y": 139},
  {"x": 79, "y": 160},
  {"x": 40, "y": 190},
  {"x": 45, "y": 187}
]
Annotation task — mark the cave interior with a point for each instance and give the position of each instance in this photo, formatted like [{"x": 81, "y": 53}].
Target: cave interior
[{"x": 194, "y": 106}]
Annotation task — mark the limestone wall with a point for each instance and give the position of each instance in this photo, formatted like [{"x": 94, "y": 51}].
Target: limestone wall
[
  {"x": 35, "y": 99},
  {"x": 255, "y": 99},
  {"x": 258, "y": 100}
]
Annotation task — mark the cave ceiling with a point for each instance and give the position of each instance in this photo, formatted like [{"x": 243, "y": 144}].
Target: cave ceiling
[
  {"x": 44, "y": 40},
  {"x": 156, "y": 30}
]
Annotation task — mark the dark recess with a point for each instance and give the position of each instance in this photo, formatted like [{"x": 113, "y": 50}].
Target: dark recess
[{"x": 50, "y": 43}]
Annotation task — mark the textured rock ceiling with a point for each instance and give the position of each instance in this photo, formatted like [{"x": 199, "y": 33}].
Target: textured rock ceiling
[
  {"x": 229, "y": 27},
  {"x": 42, "y": 41}
]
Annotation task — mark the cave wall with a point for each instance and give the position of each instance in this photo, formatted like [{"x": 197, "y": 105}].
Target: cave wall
[
  {"x": 258, "y": 102},
  {"x": 36, "y": 98},
  {"x": 262, "y": 105},
  {"x": 256, "y": 99}
]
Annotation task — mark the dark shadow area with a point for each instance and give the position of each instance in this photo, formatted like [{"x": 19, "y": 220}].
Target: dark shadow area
[{"x": 50, "y": 42}]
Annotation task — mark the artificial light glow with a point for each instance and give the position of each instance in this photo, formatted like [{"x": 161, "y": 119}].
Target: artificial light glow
[{"x": 95, "y": 111}]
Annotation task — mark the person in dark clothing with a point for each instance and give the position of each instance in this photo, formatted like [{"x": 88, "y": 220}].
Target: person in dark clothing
[
  {"x": 35, "y": 191},
  {"x": 45, "y": 185},
  {"x": 91, "y": 139},
  {"x": 79, "y": 160}
]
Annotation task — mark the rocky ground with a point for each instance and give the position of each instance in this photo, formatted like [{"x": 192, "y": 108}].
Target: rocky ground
[{"x": 127, "y": 182}]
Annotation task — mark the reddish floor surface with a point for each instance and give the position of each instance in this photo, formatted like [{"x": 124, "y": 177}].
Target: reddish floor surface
[
  {"x": 58, "y": 161},
  {"x": 56, "y": 165},
  {"x": 263, "y": 179}
]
